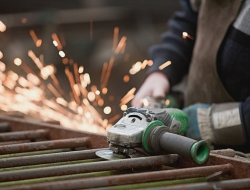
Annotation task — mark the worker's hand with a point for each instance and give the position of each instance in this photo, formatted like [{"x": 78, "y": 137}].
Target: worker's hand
[
  {"x": 156, "y": 85},
  {"x": 218, "y": 124},
  {"x": 193, "y": 127}
]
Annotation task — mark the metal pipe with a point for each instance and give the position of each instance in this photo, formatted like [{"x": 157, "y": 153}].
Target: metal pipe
[
  {"x": 45, "y": 145},
  {"x": 226, "y": 184},
  {"x": 22, "y": 135},
  {"x": 89, "y": 167},
  {"x": 4, "y": 127},
  {"x": 48, "y": 158},
  {"x": 107, "y": 181}
]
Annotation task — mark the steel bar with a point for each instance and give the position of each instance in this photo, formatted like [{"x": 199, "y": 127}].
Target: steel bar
[
  {"x": 45, "y": 145},
  {"x": 48, "y": 158},
  {"x": 4, "y": 127},
  {"x": 22, "y": 135},
  {"x": 14, "y": 142},
  {"x": 225, "y": 185},
  {"x": 107, "y": 181},
  {"x": 241, "y": 166},
  {"x": 89, "y": 167}
]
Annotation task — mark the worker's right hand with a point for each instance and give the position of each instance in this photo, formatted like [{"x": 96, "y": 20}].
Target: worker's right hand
[{"x": 156, "y": 85}]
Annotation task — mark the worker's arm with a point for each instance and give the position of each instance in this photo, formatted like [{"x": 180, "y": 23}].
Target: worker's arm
[
  {"x": 173, "y": 48},
  {"x": 220, "y": 124}
]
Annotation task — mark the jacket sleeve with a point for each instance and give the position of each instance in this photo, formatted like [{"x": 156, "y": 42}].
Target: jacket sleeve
[
  {"x": 245, "y": 117},
  {"x": 173, "y": 47}
]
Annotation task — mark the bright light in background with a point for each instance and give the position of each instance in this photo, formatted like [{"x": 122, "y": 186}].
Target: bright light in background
[
  {"x": 81, "y": 69},
  {"x": 107, "y": 110},
  {"x": 97, "y": 92},
  {"x": 17, "y": 61},
  {"x": 124, "y": 107},
  {"x": 34, "y": 79},
  {"x": 46, "y": 71},
  {"x": 2, "y": 26},
  {"x": 61, "y": 53},
  {"x": 86, "y": 78},
  {"x": 91, "y": 96},
  {"x": 55, "y": 43}
]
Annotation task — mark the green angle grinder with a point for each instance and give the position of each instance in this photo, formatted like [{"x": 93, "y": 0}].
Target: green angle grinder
[{"x": 142, "y": 132}]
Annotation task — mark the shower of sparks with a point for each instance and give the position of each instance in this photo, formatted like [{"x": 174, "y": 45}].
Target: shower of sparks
[
  {"x": 34, "y": 95},
  {"x": 164, "y": 65}
]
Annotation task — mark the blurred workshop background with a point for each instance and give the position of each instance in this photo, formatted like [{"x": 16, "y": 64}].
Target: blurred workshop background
[{"x": 102, "y": 39}]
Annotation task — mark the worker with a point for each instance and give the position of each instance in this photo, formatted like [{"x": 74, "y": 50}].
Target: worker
[{"x": 209, "y": 41}]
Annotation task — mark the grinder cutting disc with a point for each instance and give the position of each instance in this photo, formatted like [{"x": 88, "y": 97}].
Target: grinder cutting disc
[{"x": 109, "y": 155}]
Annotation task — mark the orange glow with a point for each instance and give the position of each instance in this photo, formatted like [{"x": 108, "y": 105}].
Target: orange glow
[
  {"x": 126, "y": 78},
  {"x": 61, "y": 101},
  {"x": 55, "y": 38},
  {"x": 23, "y": 82},
  {"x": 150, "y": 63},
  {"x": 121, "y": 44},
  {"x": 35, "y": 59},
  {"x": 100, "y": 102},
  {"x": 2, "y": 66},
  {"x": 24, "y": 20},
  {"x": 37, "y": 41},
  {"x": 65, "y": 61},
  {"x": 34, "y": 79},
  {"x": 115, "y": 38},
  {"x": 104, "y": 90},
  {"x": 164, "y": 65},
  {"x": 53, "y": 90},
  {"x": 167, "y": 102},
  {"x": 2, "y": 26}
]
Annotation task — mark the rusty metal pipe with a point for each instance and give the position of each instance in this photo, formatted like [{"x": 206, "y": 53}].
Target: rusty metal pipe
[
  {"x": 22, "y": 135},
  {"x": 225, "y": 185},
  {"x": 48, "y": 158},
  {"x": 131, "y": 178},
  {"x": 45, "y": 145},
  {"x": 4, "y": 127},
  {"x": 88, "y": 167}
]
